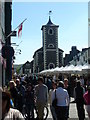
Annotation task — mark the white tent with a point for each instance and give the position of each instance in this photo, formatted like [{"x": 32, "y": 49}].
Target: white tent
[
  {"x": 46, "y": 72},
  {"x": 86, "y": 66},
  {"x": 57, "y": 70},
  {"x": 66, "y": 69},
  {"x": 77, "y": 68},
  {"x": 86, "y": 69}
]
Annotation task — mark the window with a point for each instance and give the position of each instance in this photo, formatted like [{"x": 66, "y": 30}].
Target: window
[
  {"x": 50, "y": 31},
  {"x": 83, "y": 58},
  {"x": 51, "y": 46},
  {"x": 51, "y": 65}
]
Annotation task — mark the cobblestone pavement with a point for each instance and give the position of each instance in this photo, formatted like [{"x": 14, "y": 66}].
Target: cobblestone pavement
[{"x": 72, "y": 112}]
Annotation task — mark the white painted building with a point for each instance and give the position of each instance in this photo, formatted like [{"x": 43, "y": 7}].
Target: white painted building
[
  {"x": 2, "y": 40},
  {"x": 81, "y": 58}
]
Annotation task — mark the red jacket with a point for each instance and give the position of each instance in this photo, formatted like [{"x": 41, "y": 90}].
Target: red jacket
[{"x": 87, "y": 97}]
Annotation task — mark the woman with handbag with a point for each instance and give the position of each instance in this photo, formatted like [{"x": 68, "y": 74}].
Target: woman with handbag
[{"x": 62, "y": 101}]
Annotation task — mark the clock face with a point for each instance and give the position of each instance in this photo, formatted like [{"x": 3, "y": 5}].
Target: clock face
[{"x": 50, "y": 31}]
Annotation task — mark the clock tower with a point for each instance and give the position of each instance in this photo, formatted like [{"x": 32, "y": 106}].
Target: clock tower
[{"x": 50, "y": 45}]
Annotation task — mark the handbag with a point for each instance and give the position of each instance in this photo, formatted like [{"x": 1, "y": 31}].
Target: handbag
[{"x": 54, "y": 102}]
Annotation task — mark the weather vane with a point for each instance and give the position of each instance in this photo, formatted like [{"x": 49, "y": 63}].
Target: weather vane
[{"x": 50, "y": 12}]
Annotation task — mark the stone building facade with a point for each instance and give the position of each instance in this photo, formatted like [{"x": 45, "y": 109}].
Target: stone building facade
[{"x": 49, "y": 55}]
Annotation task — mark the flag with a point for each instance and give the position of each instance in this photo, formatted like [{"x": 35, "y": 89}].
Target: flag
[{"x": 20, "y": 30}]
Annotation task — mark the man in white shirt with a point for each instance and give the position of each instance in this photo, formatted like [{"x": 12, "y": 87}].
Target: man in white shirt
[{"x": 62, "y": 101}]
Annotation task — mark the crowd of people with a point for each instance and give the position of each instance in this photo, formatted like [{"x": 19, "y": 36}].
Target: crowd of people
[{"x": 40, "y": 91}]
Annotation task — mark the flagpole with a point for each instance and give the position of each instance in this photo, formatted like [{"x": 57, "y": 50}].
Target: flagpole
[{"x": 16, "y": 28}]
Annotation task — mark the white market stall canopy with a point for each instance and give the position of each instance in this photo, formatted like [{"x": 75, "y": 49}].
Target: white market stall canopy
[{"x": 66, "y": 69}]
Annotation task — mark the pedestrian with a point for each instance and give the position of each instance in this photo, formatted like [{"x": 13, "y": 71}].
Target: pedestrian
[
  {"x": 78, "y": 95},
  {"x": 21, "y": 94},
  {"x": 41, "y": 97},
  {"x": 67, "y": 87},
  {"x": 87, "y": 101},
  {"x": 49, "y": 83},
  {"x": 53, "y": 112},
  {"x": 82, "y": 80},
  {"x": 13, "y": 92},
  {"x": 29, "y": 96},
  {"x": 8, "y": 112},
  {"x": 62, "y": 101}
]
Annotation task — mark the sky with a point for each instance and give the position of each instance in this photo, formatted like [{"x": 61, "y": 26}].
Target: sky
[{"x": 72, "y": 18}]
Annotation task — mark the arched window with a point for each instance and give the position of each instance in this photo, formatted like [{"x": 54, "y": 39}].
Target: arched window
[
  {"x": 51, "y": 65},
  {"x": 50, "y": 31},
  {"x": 50, "y": 46}
]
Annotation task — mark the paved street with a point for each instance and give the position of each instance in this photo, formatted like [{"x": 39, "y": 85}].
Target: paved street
[{"x": 72, "y": 113}]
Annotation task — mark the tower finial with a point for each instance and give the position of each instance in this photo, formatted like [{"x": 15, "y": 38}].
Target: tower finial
[{"x": 50, "y": 22}]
